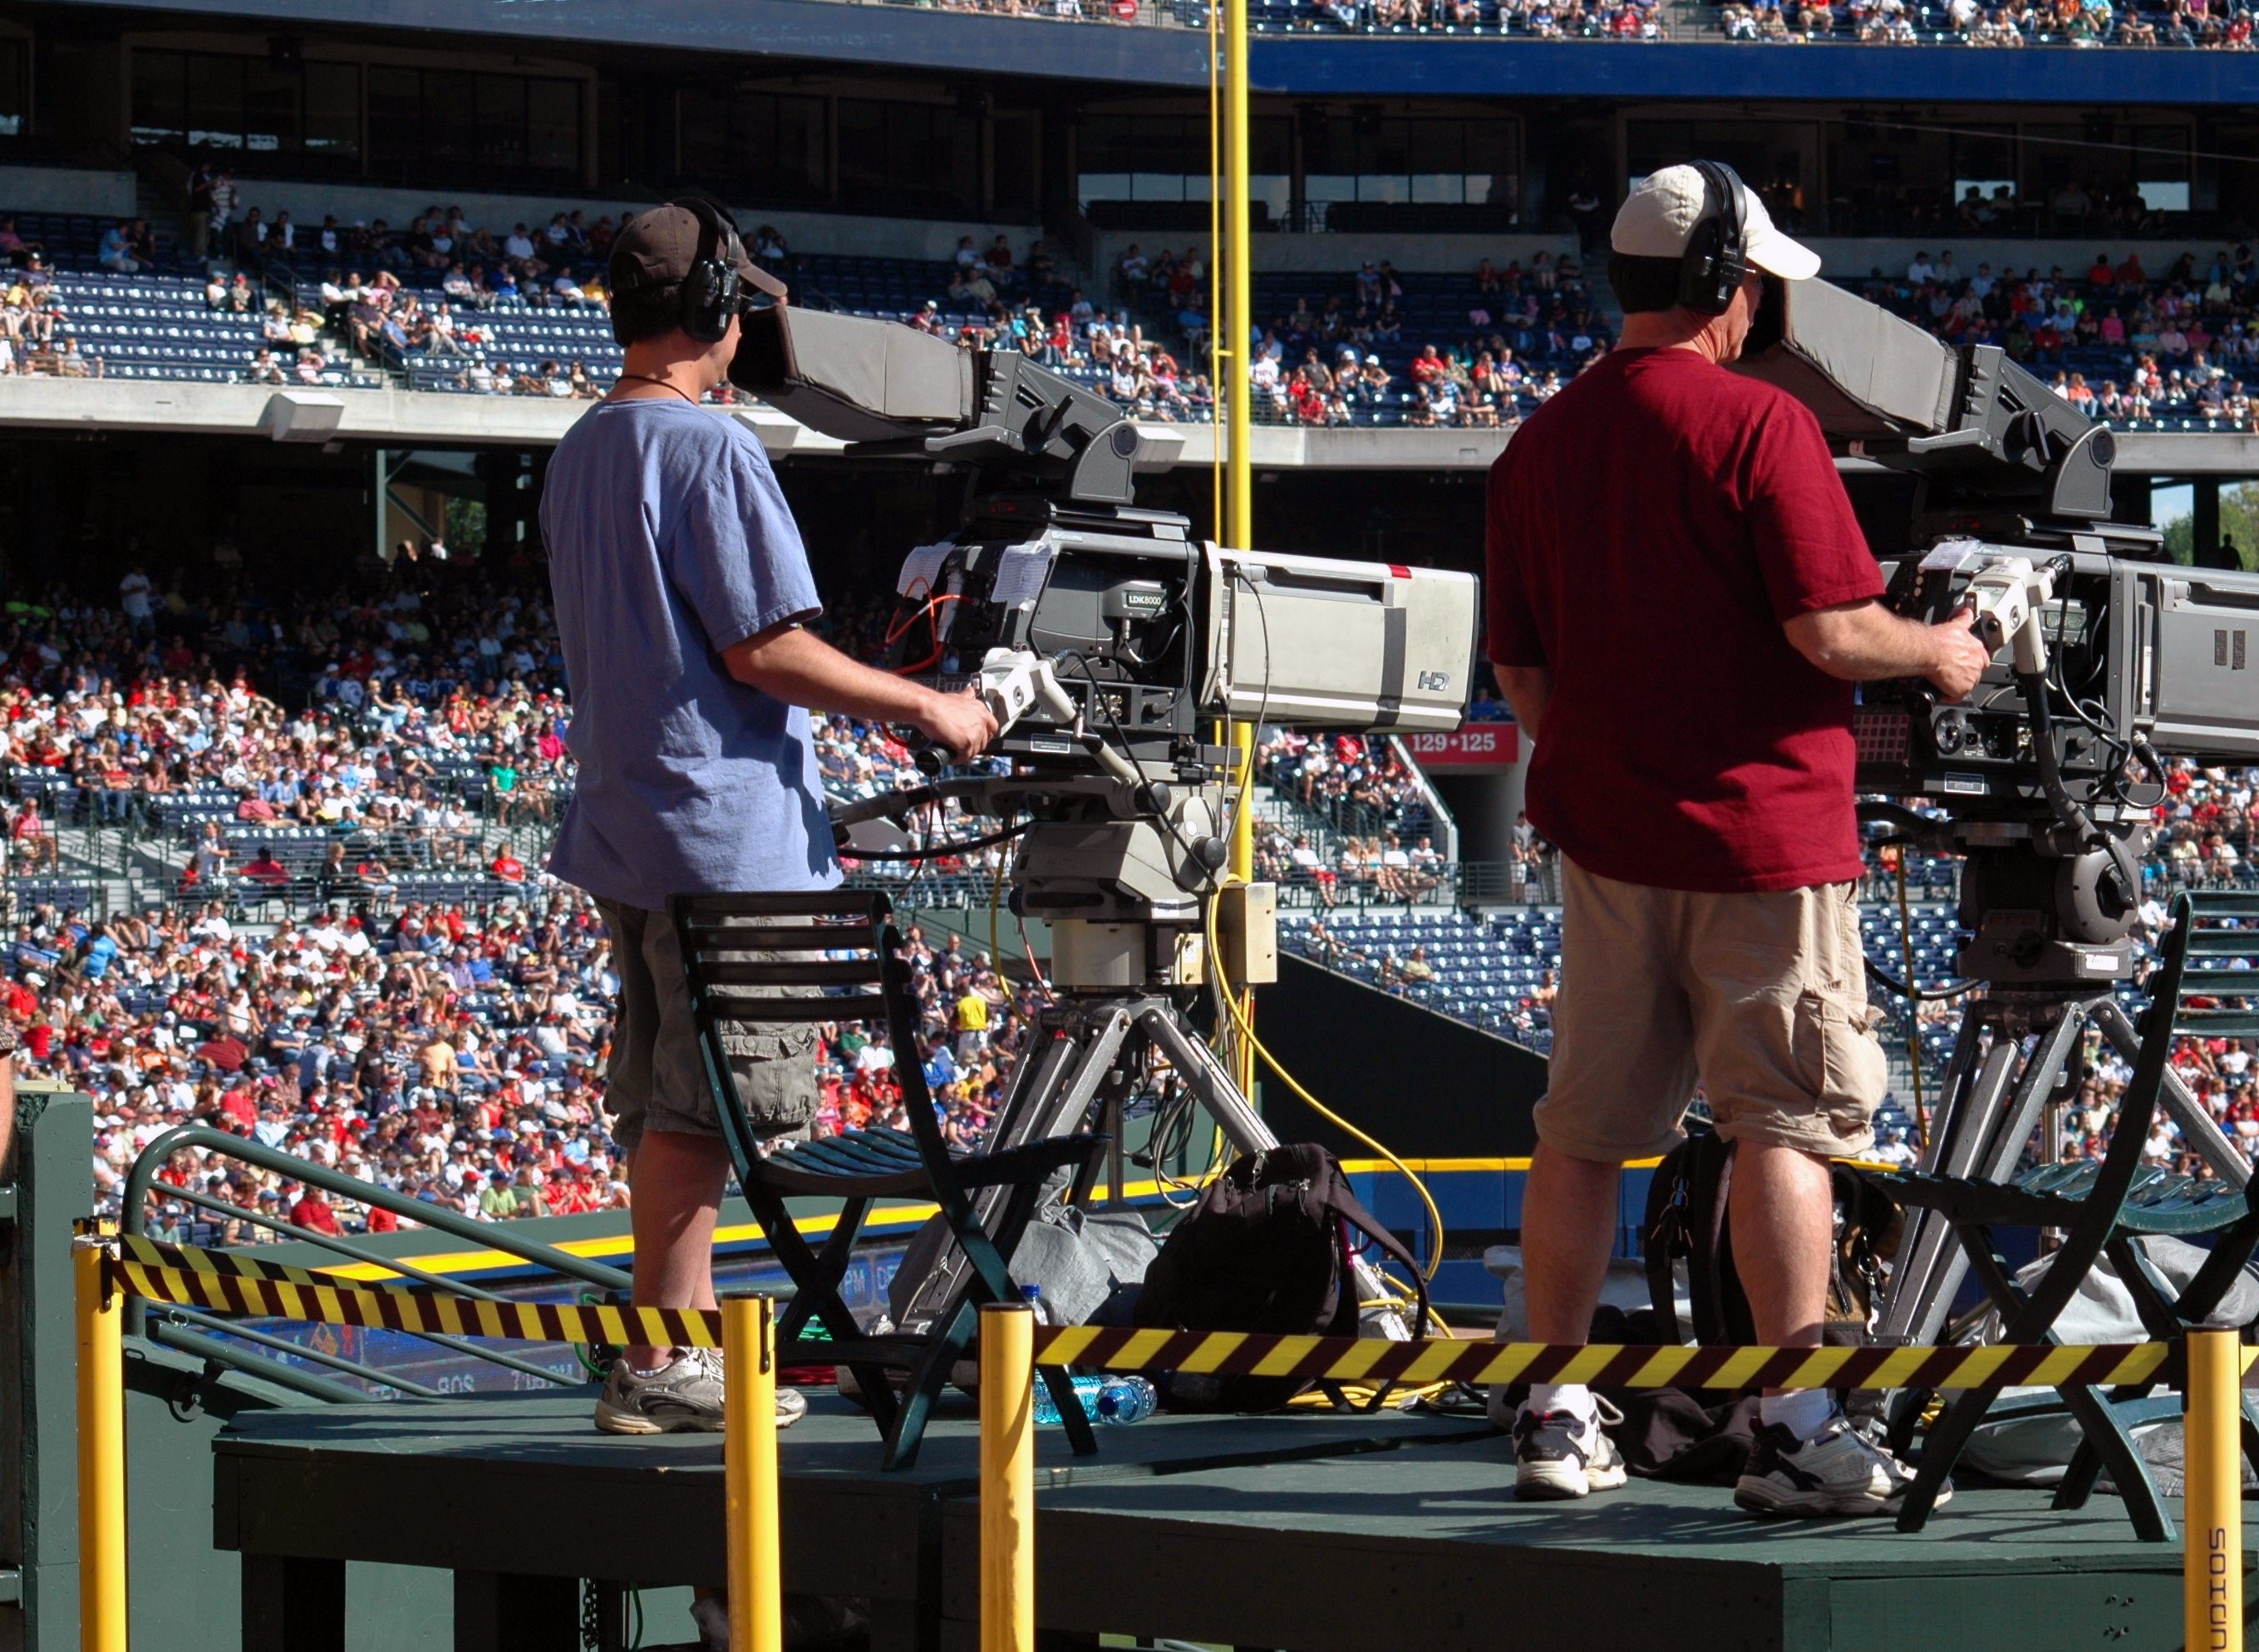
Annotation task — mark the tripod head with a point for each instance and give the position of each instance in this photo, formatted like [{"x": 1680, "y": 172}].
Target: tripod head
[
  {"x": 2041, "y": 912},
  {"x": 1122, "y": 869}
]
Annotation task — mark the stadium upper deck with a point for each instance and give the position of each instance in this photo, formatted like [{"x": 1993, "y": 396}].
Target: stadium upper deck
[{"x": 1327, "y": 47}]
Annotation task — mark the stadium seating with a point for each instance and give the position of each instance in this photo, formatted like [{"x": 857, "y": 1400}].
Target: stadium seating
[{"x": 158, "y": 327}]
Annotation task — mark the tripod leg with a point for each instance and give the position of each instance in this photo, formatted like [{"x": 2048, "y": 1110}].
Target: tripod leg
[
  {"x": 1930, "y": 1264},
  {"x": 1050, "y": 1096},
  {"x": 2006, "y": 1102}
]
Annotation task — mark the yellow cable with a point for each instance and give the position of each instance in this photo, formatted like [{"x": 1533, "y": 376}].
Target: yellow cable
[{"x": 1247, "y": 1031}]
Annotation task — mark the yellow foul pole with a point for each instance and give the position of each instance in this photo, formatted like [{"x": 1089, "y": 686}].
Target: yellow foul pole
[{"x": 1238, "y": 323}]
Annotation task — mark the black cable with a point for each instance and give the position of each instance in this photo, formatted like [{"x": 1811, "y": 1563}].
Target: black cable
[
  {"x": 1918, "y": 994},
  {"x": 934, "y": 852}
]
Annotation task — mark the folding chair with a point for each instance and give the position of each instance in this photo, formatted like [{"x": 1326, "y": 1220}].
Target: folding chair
[
  {"x": 2101, "y": 1210},
  {"x": 832, "y": 955}
]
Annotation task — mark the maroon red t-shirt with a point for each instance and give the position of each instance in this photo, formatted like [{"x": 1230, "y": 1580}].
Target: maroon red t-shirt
[{"x": 1651, "y": 528}]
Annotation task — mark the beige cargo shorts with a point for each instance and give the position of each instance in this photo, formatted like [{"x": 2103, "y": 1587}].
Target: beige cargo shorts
[
  {"x": 656, "y": 1078},
  {"x": 1761, "y": 996}
]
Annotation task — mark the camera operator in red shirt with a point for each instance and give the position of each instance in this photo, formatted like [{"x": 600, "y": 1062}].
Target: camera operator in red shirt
[{"x": 1679, "y": 602}]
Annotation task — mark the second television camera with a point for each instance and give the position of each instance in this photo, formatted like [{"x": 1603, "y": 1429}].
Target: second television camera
[{"x": 2107, "y": 654}]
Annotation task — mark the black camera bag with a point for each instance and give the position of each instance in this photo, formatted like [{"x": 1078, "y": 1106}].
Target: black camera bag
[{"x": 1268, "y": 1248}]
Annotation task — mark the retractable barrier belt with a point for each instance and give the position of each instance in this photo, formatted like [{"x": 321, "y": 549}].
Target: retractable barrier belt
[
  {"x": 230, "y": 1283},
  {"x": 222, "y": 1282}
]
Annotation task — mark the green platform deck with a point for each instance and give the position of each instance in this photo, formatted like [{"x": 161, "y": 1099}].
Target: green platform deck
[
  {"x": 520, "y": 1497},
  {"x": 1315, "y": 1533}
]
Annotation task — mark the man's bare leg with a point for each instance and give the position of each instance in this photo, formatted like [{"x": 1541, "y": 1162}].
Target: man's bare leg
[
  {"x": 1784, "y": 1220},
  {"x": 1568, "y": 1228},
  {"x": 675, "y": 1181}
]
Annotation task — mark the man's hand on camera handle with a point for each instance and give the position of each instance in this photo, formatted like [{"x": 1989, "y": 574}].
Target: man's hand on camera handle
[
  {"x": 1962, "y": 655},
  {"x": 1864, "y": 641},
  {"x": 960, "y": 723}
]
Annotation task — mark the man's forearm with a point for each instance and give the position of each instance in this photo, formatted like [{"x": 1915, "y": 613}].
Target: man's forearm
[
  {"x": 1866, "y": 643},
  {"x": 801, "y": 669}
]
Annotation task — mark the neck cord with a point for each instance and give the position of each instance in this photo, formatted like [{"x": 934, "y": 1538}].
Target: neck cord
[{"x": 653, "y": 378}]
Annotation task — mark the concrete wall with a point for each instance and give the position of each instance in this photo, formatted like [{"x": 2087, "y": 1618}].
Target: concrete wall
[
  {"x": 1857, "y": 255},
  {"x": 65, "y": 189},
  {"x": 1331, "y": 254}
]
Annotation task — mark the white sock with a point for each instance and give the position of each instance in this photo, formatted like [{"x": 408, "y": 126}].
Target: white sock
[
  {"x": 1803, "y": 1412},
  {"x": 1573, "y": 1397}
]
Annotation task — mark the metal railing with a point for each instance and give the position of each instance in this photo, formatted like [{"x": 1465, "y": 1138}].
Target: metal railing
[{"x": 191, "y": 1331}]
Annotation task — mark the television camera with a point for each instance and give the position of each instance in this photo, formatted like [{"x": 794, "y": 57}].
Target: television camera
[
  {"x": 1110, "y": 644},
  {"x": 2107, "y": 655}
]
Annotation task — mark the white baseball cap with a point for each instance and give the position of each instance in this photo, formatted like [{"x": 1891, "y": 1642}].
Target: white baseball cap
[{"x": 1656, "y": 219}]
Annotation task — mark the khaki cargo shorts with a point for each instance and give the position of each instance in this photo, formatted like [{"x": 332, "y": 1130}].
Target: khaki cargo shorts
[
  {"x": 656, "y": 1078},
  {"x": 1762, "y": 996}
]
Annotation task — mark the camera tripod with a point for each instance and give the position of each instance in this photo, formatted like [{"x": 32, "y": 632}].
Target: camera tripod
[
  {"x": 2047, "y": 951},
  {"x": 1124, "y": 872}
]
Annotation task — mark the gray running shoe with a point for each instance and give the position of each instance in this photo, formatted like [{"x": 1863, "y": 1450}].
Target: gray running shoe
[
  {"x": 1558, "y": 1455},
  {"x": 1838, "y": 1471},
  {"x": 682, "y": 1396}
]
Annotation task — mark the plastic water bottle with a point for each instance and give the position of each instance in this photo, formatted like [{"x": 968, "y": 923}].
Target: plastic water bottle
[
  {"x": 1124, "y": 1399},
  {"x": 1085, "y": 1393}
]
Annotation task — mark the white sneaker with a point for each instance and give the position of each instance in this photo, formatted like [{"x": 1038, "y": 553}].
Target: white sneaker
[
  {"x": 1559, "y": 1455},
  {"x": 1838, "y": 1471}
]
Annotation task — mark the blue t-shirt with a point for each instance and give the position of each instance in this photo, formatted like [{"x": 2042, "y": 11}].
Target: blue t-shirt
[{"x": 669, "y": 541}]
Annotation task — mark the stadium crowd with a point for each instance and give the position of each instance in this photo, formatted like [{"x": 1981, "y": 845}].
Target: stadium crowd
[
  {"x": 1478, "y": 350},
  {"x": 284, "y": 979},
  {"x": 2119, "y": 342}
]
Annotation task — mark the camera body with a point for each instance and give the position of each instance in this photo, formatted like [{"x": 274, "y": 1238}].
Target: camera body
[
  {"x": 2149, "y": 651},
  {"x": 1155, "y": 637}
]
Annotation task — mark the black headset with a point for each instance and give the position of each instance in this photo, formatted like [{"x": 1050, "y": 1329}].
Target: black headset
[
  {"x": 1716, "y": 261},
  {"x": 711, "y": 288}
]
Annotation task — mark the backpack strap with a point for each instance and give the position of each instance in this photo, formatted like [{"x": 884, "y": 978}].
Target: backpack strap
[
  {"x": 1664, "y": 1236},
  {"x": 1343, "y": 1203}
]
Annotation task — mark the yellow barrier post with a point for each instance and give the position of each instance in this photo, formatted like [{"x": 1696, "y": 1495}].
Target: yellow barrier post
[
  {"x": 1007, "y": 1477},
  {"x": 748, "y": 1471},
  {"x": 101, "y": 1449},
  {"x": 2213, "y": 1510}
]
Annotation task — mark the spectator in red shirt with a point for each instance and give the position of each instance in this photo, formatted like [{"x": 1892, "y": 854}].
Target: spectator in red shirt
[
  {"x": 264, "y": 868},
  {"x": 1712, "y": 853},
  {"x": 313, "y": 1212}
]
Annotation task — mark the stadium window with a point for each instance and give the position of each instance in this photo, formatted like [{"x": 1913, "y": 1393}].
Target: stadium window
[
  {"x": 160, "y": 97},
  {"x": 1011, "y": 162},
  {"x": 2162, "y": 170},
  {"x": 1166, "y": 158},
  {"x": 923, "y": 156},
  {"x": 15, "y": 87},
  {"x": 216, "y": 100},
  {"x": 553, "y": 126},
  {"x": 395, "y": 115},
  {"x": 332, "y": 123},
  {"x": 500, "y": 128},
  {"x": 271, "y": 98},
  {"x": 746, "y": 143},
  {"x": 252, "y": 105}
]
